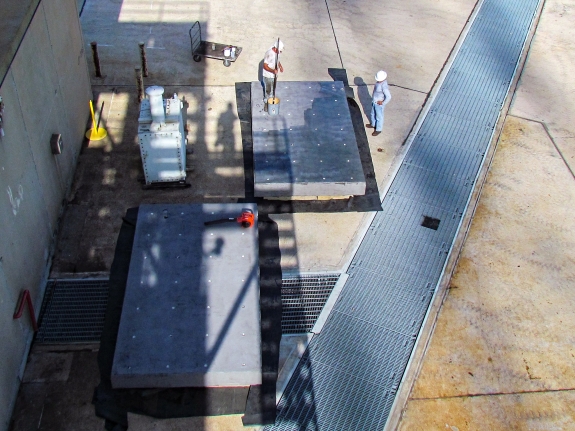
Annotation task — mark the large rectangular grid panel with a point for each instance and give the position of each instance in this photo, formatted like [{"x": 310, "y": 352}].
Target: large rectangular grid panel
[
  {"x": 73, "y": 311},
  {"x": 309, "y": 148},
  {"x": 348, "y": 377},
  {"x": 303, "y": 298}
]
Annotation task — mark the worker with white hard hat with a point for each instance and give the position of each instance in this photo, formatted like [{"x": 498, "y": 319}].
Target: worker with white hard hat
[
  {"x": 271, "y": 66},
  {"x": 381, "y": 97}
]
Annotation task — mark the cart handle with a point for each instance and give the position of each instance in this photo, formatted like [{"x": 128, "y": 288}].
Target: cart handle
[{"x": 198, "y": 31}]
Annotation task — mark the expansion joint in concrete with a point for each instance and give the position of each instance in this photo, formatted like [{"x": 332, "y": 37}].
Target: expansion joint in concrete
[
  {"x": 334, "y": 35},
  {"x": 492, "y": 394},
  {"x": 409, "y": 89},
  {"x": 548, "y": 132}
]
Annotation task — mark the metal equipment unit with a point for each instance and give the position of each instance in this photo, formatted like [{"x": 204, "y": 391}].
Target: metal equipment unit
[{"x": 162, "y": 138}]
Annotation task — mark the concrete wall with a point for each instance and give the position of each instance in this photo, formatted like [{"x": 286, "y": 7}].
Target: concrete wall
[{"x": 46, "y": 90}]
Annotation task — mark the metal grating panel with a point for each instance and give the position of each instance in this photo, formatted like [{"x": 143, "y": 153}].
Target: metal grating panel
[
  {"x": 73, "y": 311},
  {"x": 348, "y": 377},
  {"x": 303, "y": 298}
]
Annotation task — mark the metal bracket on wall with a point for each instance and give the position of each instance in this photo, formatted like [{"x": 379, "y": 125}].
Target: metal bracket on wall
[{"x": 25, "y": 296}]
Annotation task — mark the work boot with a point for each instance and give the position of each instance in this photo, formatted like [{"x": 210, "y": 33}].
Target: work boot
[
  {"x": 369, "y": 126},
  {"x": 375, "y": 133}
]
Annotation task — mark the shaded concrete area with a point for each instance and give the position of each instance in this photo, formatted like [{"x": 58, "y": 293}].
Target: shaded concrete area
[
  {"x": 57, "y": 403},
  {"x": 15, "y": 19}
]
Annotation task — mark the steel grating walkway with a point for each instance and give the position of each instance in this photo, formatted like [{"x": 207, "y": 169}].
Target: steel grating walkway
[{"x": 348, "y": 377}]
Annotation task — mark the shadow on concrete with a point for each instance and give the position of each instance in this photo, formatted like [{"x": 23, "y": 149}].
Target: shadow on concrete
[
  {"x": 363, "y": 95},
  {"x": 261, "y": 402},
  {"x": 106, "y": 189},
  {"x": 225, "y": 140}
]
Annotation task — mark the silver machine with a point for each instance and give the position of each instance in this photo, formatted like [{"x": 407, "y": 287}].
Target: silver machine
[{"x": 162, "y": 139}]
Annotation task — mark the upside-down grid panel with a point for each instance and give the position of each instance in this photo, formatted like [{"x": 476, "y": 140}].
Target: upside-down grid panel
[
  {"x": 303, "y": 298},
  {"x": 348, "y": 376},
  {"x": 73, "y": 311}
]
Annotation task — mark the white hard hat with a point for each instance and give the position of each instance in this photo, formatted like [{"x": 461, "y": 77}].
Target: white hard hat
[
  {"x": 281, "y": 45},
  {"x": 380, "y": 76}
]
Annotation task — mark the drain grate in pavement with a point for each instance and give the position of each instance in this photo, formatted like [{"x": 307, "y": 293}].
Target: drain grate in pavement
[
  {"x": 430, "y": 222},
  {"x": 73, "y": 311},
  {"x": 303, "y": 298}
]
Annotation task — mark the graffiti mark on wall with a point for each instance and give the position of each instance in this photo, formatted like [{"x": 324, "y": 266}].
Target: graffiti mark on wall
[{"x": 15, "y": 201}]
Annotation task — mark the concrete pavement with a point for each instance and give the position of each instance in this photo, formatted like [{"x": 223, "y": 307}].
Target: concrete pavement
[{"x": 412, "y": 42}]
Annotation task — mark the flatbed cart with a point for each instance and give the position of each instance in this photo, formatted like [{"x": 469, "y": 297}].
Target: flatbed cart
[{"x": 202, "y": 48}]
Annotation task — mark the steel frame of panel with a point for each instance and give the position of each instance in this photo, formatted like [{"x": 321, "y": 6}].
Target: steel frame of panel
[{"x": 349, "y": 375}]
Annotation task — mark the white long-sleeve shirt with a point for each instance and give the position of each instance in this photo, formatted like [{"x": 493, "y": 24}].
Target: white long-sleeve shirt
[{"x": 381, "y": 92}]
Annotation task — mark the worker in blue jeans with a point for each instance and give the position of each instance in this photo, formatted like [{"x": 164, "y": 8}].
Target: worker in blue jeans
[{"x": 381, "y": 97}]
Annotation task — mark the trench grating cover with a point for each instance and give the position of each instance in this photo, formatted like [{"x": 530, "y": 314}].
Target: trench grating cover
[
  {"x": 303, "y": 298},
  {"x": 73, "y": 311},
  {"x": 351, "y": 371}
]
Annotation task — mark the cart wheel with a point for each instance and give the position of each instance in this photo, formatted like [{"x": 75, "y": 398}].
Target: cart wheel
[
  {"x": 227, "y": 63},
  {"x": 197, "y": 58}
]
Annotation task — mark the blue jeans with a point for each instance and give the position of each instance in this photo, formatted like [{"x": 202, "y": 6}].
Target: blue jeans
[{"x": 377, "y": 116}]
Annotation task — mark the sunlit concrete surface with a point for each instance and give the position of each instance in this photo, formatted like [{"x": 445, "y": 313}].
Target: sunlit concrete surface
[{"x": 547, "y": 89}]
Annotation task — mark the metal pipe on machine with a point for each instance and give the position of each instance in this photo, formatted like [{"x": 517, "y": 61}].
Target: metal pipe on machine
[
  {"x": 156, "y": 105},
  {"x": 143, "y": 59}
]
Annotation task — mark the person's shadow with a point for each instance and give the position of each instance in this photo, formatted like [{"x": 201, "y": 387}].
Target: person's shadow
[
  {"x": 363, "y": 95},
  {"x": 226, "y": 130}
]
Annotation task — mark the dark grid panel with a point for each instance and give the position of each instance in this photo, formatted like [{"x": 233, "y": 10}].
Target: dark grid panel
[
  {"x": 303, "y": 298},
  {"x": 73, "y": 311},
  {"x": 341, "y": 381}
]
